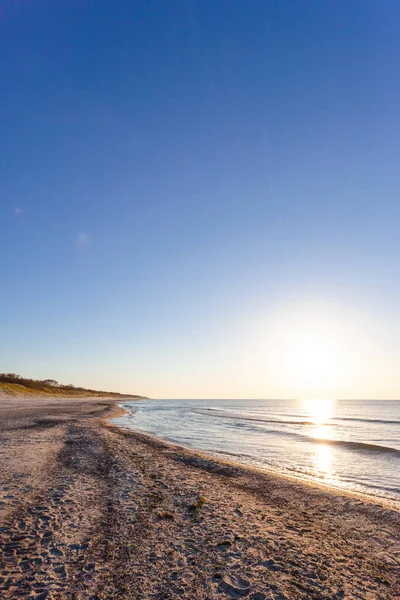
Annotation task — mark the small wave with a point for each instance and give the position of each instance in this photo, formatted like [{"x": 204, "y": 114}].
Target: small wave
[
  {"x": 228, "y": 415},
  {"x": 222, "y": 413},
  {"x": 235, "y": 454},
  {"x": 361, "y": 420},
  {"x": 362, "y": 446}
]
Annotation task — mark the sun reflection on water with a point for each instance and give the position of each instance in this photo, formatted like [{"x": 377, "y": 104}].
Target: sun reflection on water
[
  {"x": 323, "y": 460},
  {"x": 319, "y": 413}
]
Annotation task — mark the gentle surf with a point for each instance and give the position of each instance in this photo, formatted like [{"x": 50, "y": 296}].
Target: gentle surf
[{"x": 352, "y": 445}]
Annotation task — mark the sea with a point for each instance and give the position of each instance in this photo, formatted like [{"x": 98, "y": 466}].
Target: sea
[{"x": 347, "y": 444}]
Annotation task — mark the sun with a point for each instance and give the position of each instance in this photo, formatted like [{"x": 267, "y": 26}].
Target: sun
[
  {"x": 310, "y": 348},
  {"x": 314, "y": 356},
  {"x": 314, "y": 353}
]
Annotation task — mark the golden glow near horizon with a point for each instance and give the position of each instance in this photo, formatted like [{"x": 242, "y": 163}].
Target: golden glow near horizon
[
  {"x": 316, "y": 353},
  {"x": 311, "y": 349},
  {"x": 301, "y": 347}
]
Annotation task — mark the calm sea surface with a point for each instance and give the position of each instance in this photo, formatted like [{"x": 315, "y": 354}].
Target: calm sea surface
[{"x": 347, "y": 444}]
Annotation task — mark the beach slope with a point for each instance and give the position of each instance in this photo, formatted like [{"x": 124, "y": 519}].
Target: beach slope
[{"x": 88, "y": 510}]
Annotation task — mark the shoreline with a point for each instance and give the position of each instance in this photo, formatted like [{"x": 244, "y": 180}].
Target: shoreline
[
  {"x": 389, "y": 503},
  {"x": 91, "y": 510},
  {"x": 309, "y": 484}
]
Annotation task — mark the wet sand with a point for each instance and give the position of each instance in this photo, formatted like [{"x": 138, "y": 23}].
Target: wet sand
[{"x": 90, "y": 511}]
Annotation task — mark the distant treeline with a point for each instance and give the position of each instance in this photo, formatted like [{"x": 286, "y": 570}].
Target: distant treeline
[{"x": 51, "y": 385}]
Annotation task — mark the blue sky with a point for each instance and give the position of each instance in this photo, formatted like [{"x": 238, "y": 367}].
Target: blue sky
[{"x": 179, "y": 177}]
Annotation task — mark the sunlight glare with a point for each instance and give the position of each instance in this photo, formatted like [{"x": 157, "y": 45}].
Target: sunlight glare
[
  {"x": 313, "y": 349},
  {"x": 320, "y": 411},
  {"x": 323, "y": 460}
]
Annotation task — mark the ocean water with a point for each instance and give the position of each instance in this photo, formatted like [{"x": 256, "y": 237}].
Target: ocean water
[{"x": 353, "y": 445}]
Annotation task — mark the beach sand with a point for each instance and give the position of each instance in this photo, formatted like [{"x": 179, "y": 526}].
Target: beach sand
[{"x": 91, "y": 511}]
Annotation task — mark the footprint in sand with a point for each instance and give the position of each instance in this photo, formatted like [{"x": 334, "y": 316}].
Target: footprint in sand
[{"x": 234, "y": 587}]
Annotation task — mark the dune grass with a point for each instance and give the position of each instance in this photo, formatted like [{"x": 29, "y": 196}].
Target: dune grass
[{"x": 14, "y": 385}]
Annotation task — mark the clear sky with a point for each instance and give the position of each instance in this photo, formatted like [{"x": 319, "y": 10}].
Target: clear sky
[{"x": 200, "y": 198}]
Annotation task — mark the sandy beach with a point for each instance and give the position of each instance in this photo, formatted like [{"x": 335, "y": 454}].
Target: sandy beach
[{"x": 91, "y": 511}]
